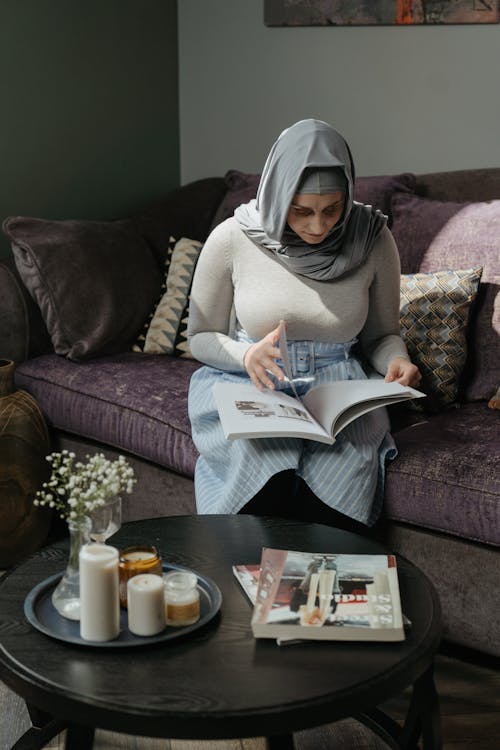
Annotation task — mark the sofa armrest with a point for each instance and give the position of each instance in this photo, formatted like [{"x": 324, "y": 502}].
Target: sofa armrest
[{"x": 22, "y": 331}]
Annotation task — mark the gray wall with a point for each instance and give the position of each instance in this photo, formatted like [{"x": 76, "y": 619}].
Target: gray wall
[
  {"x": 89, "y": 106},
  {"x": 418, "y": 99}
]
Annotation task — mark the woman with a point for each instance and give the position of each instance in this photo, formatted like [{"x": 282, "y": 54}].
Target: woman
[{"x": 303, "y": 252}]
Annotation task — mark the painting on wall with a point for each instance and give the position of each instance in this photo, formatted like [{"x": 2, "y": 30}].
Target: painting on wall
[{"x": 379, "y": 12}]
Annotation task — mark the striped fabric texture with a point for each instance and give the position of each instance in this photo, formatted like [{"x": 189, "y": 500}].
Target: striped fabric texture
[{"x": 348, "y": 475}]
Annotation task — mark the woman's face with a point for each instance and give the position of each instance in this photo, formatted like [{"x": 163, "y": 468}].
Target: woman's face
[{"x": 312, "y": 217}]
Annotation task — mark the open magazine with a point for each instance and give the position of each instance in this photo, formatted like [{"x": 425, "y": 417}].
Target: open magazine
[
  {"x": 246, "y": 412},
  {"x": 323, "y": 596}
]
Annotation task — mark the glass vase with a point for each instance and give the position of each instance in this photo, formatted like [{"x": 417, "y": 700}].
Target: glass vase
[{"x": 66, "y": 595}]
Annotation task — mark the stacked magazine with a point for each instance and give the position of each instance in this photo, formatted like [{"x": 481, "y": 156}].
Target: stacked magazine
[{"x": 323, "y": 596}]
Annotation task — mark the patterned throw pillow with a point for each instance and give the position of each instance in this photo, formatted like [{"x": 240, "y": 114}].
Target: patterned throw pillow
[
  {"x": 165, "y": 331},
  {"x": 141, "y": 340},
  {"x": 434, "y": 234},
  {"x": 434, "y": 313}
]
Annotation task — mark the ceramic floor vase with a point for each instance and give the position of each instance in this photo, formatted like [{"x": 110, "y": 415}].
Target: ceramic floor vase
[{"x": 24, "y": 443}]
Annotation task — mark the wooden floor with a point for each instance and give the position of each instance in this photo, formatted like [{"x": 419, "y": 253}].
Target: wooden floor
[{"x": 468, "y": 685}]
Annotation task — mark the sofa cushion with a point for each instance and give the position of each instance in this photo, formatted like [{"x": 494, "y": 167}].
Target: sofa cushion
[
  {"x": 241, "y": 188},
  {"x": 375, "y": 191},
  {"x": 165, "y": 331},
  {"x": 135, "y": 403},
  {"x": 460, "y": 185},
  {"x": 435, "y": 235},
  {"x": 446, "y": 475},
  {"x": 434, "y": 316},
  {"x": 185, "y": 212},
  {"x": 93, "y": 281}
]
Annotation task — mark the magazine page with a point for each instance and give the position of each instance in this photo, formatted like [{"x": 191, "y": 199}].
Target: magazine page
[
  {"x": 328, "y": 596},
  {"x": 337, "y": 404},
  {"x": 246, "y": 412}
]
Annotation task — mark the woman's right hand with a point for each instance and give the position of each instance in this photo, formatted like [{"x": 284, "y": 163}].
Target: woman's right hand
[{"x": 260, "y": 358}]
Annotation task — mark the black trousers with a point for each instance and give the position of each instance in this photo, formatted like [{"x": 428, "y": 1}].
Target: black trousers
[{"x": 286, "y": 495}]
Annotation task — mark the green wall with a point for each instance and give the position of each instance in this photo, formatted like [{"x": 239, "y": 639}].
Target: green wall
[{"x": 89, "y": 124}]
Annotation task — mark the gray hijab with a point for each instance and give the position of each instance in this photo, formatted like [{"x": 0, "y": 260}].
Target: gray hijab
[{"x": 309, "y": 143}]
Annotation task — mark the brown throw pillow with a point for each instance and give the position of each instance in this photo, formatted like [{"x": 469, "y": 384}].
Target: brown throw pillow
[{"x": 93, "y": 281}]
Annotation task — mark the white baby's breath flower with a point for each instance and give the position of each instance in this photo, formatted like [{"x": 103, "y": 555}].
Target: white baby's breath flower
[{"x": 76, "y": 488}]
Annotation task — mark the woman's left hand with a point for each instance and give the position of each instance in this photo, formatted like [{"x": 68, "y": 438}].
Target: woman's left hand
[{"x": 401, "y": 370}]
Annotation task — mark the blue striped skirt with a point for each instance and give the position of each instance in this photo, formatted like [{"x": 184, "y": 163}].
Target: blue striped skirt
[{"x": 348, "y": 475}]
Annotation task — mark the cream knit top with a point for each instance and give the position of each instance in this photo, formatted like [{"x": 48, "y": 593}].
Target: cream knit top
[{"x": 234, "y": 276}]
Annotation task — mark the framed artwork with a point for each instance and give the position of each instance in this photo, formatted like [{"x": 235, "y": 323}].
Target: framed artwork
[{"x": 379, "y": 12}]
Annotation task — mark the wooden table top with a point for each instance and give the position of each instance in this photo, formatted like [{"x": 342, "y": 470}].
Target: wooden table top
[{"x": 218, "y": 682}]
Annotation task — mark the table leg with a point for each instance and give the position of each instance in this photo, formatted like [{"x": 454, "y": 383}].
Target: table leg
[
  {"x": 386, "y": 728},
  {"x": 425, "y": 694},
  {"x": 44, "y": 728},
  {"x": 280, "y": 742},
  {"x": 422, "y": 719},
  {"x": 79, "y": 738}
]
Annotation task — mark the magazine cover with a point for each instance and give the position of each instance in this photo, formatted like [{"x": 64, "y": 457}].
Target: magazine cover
[
  {"x": 248, "y": 578},
  {"x": 326, "y": 596}
]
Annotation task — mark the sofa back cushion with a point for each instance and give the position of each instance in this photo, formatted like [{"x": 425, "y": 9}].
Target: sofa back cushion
[
  {"x": 375, "y": 191},
  {"x": 460, "y": 185},
  {"x": 440, "y": 235},
  {"x": 94, "y": 282},
  {"x": 185, "y": 212}
]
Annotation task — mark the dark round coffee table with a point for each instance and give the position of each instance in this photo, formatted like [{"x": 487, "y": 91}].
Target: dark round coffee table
[{"x": 219, "y": 682}]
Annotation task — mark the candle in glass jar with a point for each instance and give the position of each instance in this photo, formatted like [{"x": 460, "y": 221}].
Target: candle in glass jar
[
  {"x": 134, "y": 561},
  {"x": 146, "y": 604},
  {"x": 99, "y": 597},
  {"x": 182, "y": 598}
]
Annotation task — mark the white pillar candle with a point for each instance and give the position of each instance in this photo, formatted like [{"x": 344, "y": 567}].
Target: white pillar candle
[
  {"x": 146, "y": 604},
  {"x": 99, "y": 594}
]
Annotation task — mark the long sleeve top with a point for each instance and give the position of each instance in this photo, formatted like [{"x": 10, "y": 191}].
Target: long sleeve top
[{"x": 236, "y": 277}]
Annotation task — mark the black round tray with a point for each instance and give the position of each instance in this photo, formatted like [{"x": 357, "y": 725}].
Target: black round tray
[{"x": 42, "y": 614}]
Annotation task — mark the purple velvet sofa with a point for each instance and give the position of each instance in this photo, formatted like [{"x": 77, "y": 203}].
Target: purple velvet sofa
[{"x": 74, "y": 302}]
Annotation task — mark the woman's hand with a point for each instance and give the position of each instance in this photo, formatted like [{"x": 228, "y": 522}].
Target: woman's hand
[
  {"x": 260, "y": 358},
  {"x": 401, "y": 370}
]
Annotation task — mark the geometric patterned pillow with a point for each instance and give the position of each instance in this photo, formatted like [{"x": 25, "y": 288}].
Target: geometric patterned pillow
[
  {"x": 167, "y": 328},
  {"x": 434, "y": 313},
  {"x": 138, "y": 346}
]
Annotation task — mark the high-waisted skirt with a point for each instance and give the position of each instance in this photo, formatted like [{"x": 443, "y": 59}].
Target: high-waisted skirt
[{"x": 348, "y": 476}]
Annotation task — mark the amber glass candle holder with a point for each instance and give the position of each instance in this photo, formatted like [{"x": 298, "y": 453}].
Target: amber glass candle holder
[{"x": 135, "y": 560}]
